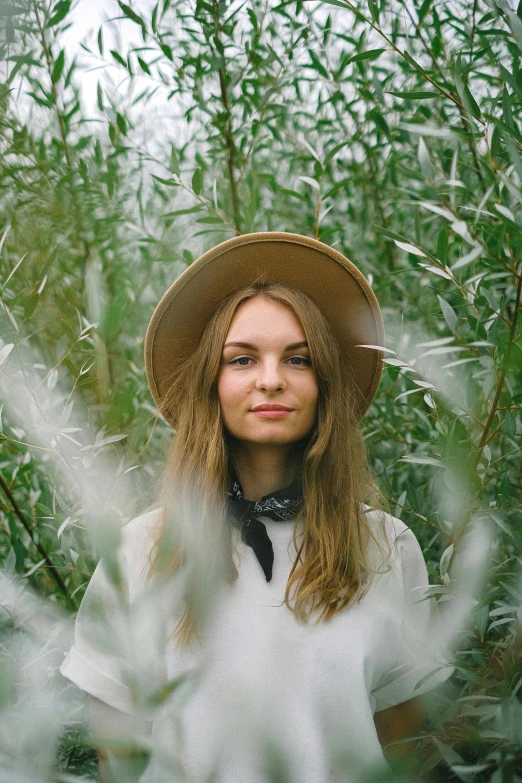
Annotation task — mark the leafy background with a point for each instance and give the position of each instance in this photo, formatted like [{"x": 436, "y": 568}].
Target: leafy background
[{"x": 389, "y": 130}]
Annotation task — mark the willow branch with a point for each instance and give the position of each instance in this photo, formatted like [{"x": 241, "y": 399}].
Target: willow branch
[
  {"x": 55, "y": 574},
  {"x": 402, "y": 54},
  {"x": 229, "y": 138},
  {"x": 54, "y": 90},
  {"x": 502, "y": 376},
  {"x": 463, "y": 120}
]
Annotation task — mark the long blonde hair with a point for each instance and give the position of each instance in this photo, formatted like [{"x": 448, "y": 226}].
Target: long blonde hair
[{"x": 332, "y": 563}]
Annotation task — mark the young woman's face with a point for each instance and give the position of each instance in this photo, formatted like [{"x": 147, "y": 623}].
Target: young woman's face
[{"x": 266, "y": 362}]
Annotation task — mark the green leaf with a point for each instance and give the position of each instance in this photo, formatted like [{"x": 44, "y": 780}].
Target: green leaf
[
  {"x": 197, "y": 181},
  {"x": 130, "y": 14},
  {"x": 71, "y": 366},
  {"x": 391, "y": 234},
  {"x": 450, "y": 316},
  {"x": 409, "y": 248},
  {"x": 209, "y": 219},
  {"x": 333, "y": 152},
  {"x": 67, "y": 328},
  {"x": 58, "y": 67},
  {"x": 174, "y": 162},
  {"x": 496, "y": 138},
  {"x": 188, "y": 211},
  {"x": 100, "y": 41},
  {"x": 293, "y": 193},
  {"x": 223, "y": 230},
  {"x": 154, "y": 18},
  {"x": 171, "y": 183},
  {"x": 9, "y": 29},
  {"x": 99, "y": 97},
  {"x": 425, "y": 7},
  {"x": 498, "y": 517},
  {"x": 411, "y": 61},
  {"x": 119, "y": 59},
  {"x": 510, "y": 424},
  {"x": 470, "y": 100},
  {"x": 374, "y": 10},
  {"x": 144, "y": 67},
  {"x": 442, "y": 246},
  {"x": 317, "y": 65},
  {"x": 423, "y": 461},
  {"x": 59, "y": 12},
  {"x": 40, "y": 101},
  {"x": 337, "y": 186},
  {"x": 337, "y": 3},
  {"x": 30, "y": 305},
  {"x": 167, "y": 51},
  {"x": 424, "y": 160},
  {"x": 111, "y": 183},
  {"x": 371, "y": 54},
  {"x": 312, "y": 182},
  {"x": 446, "y": 559},
  {"x": 506, "y": 108},
  {"x": 415, "y": 94},
  {"x": 418, "y": 228},
  {"x": 121, "y": 122}
]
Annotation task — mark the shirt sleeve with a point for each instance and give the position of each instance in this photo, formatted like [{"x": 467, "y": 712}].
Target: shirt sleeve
[
  {"x": 118, "y": 634},
  {"x": 96, "y": 661},
  {"x": 420, "y": 662}
]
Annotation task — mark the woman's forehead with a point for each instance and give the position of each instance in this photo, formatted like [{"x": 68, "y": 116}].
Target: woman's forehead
[{"x": 258, "y": 318}]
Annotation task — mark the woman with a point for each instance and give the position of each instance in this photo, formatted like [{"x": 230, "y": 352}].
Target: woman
[{"x": 299, "y": 624}]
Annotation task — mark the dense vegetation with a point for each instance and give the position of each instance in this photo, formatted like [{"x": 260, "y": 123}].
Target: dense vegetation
[{"x": 390, "y": 130}]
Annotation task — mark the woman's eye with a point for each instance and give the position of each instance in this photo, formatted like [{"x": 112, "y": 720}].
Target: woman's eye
[{"x": 297, "y": 361}]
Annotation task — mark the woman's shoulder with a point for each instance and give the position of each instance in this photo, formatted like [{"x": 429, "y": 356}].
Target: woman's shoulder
[
  {"x": 381, "y": 521},
  {"x": 391, "y": 531},
  {"x": 406, "y": 552},
  {"x": 138, "y": 537}
]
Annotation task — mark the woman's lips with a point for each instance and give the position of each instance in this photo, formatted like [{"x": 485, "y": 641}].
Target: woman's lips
[{"x": 267, "y": 414}]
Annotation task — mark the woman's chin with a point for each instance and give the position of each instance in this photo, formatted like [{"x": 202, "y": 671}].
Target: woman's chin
[{"x": 274, "y": 435}]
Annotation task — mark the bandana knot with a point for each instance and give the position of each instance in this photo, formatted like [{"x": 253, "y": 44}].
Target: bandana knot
[{"x": 281, "y": 505}]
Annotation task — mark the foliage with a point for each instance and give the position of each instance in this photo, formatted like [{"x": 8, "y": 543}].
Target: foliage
[{"x": 387, "y": 129}]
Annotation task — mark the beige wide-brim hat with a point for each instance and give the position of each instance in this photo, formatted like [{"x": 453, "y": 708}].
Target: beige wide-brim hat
[{"x": 338, "y": 288}]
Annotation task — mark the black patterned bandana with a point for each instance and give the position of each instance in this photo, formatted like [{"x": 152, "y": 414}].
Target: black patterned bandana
[{"x": 283, "y": 504}]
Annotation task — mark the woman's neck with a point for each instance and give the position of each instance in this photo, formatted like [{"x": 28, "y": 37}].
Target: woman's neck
[{"x": 263, "y": 469}]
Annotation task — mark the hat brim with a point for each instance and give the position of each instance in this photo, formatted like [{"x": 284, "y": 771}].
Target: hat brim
[{"x": 338, "y": 288}]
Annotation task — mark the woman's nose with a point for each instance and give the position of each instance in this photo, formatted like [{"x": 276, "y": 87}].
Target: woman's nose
[{"x": 270, "y": 376}]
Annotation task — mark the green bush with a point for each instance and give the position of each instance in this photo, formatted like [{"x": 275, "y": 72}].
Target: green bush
[{"x": 389, "y": 130}]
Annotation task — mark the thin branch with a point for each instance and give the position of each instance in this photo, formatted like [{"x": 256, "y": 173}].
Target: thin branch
[
  {"x": 38, "y": 544},
  {"x": 59, "y": 114},
  {"x": 403, "y": 54},
  {"x": 463, "y": 119},
  {"x": 473, "y": 28},
  {"x": 229, "y": 138},
  {"x": 103, "y": 375},
  {"x": 318, "y": 207},
  {"x": 502, "y": 376}
]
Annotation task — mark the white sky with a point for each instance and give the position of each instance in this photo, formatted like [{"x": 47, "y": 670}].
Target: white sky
[{"x": 87, "y": 16}]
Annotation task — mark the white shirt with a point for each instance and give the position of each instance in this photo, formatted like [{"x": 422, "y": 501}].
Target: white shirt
[{"x": 261, "y": 686}]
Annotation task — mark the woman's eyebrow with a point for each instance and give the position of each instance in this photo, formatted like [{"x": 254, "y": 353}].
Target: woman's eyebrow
[{"x": 251, "y": 347}]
